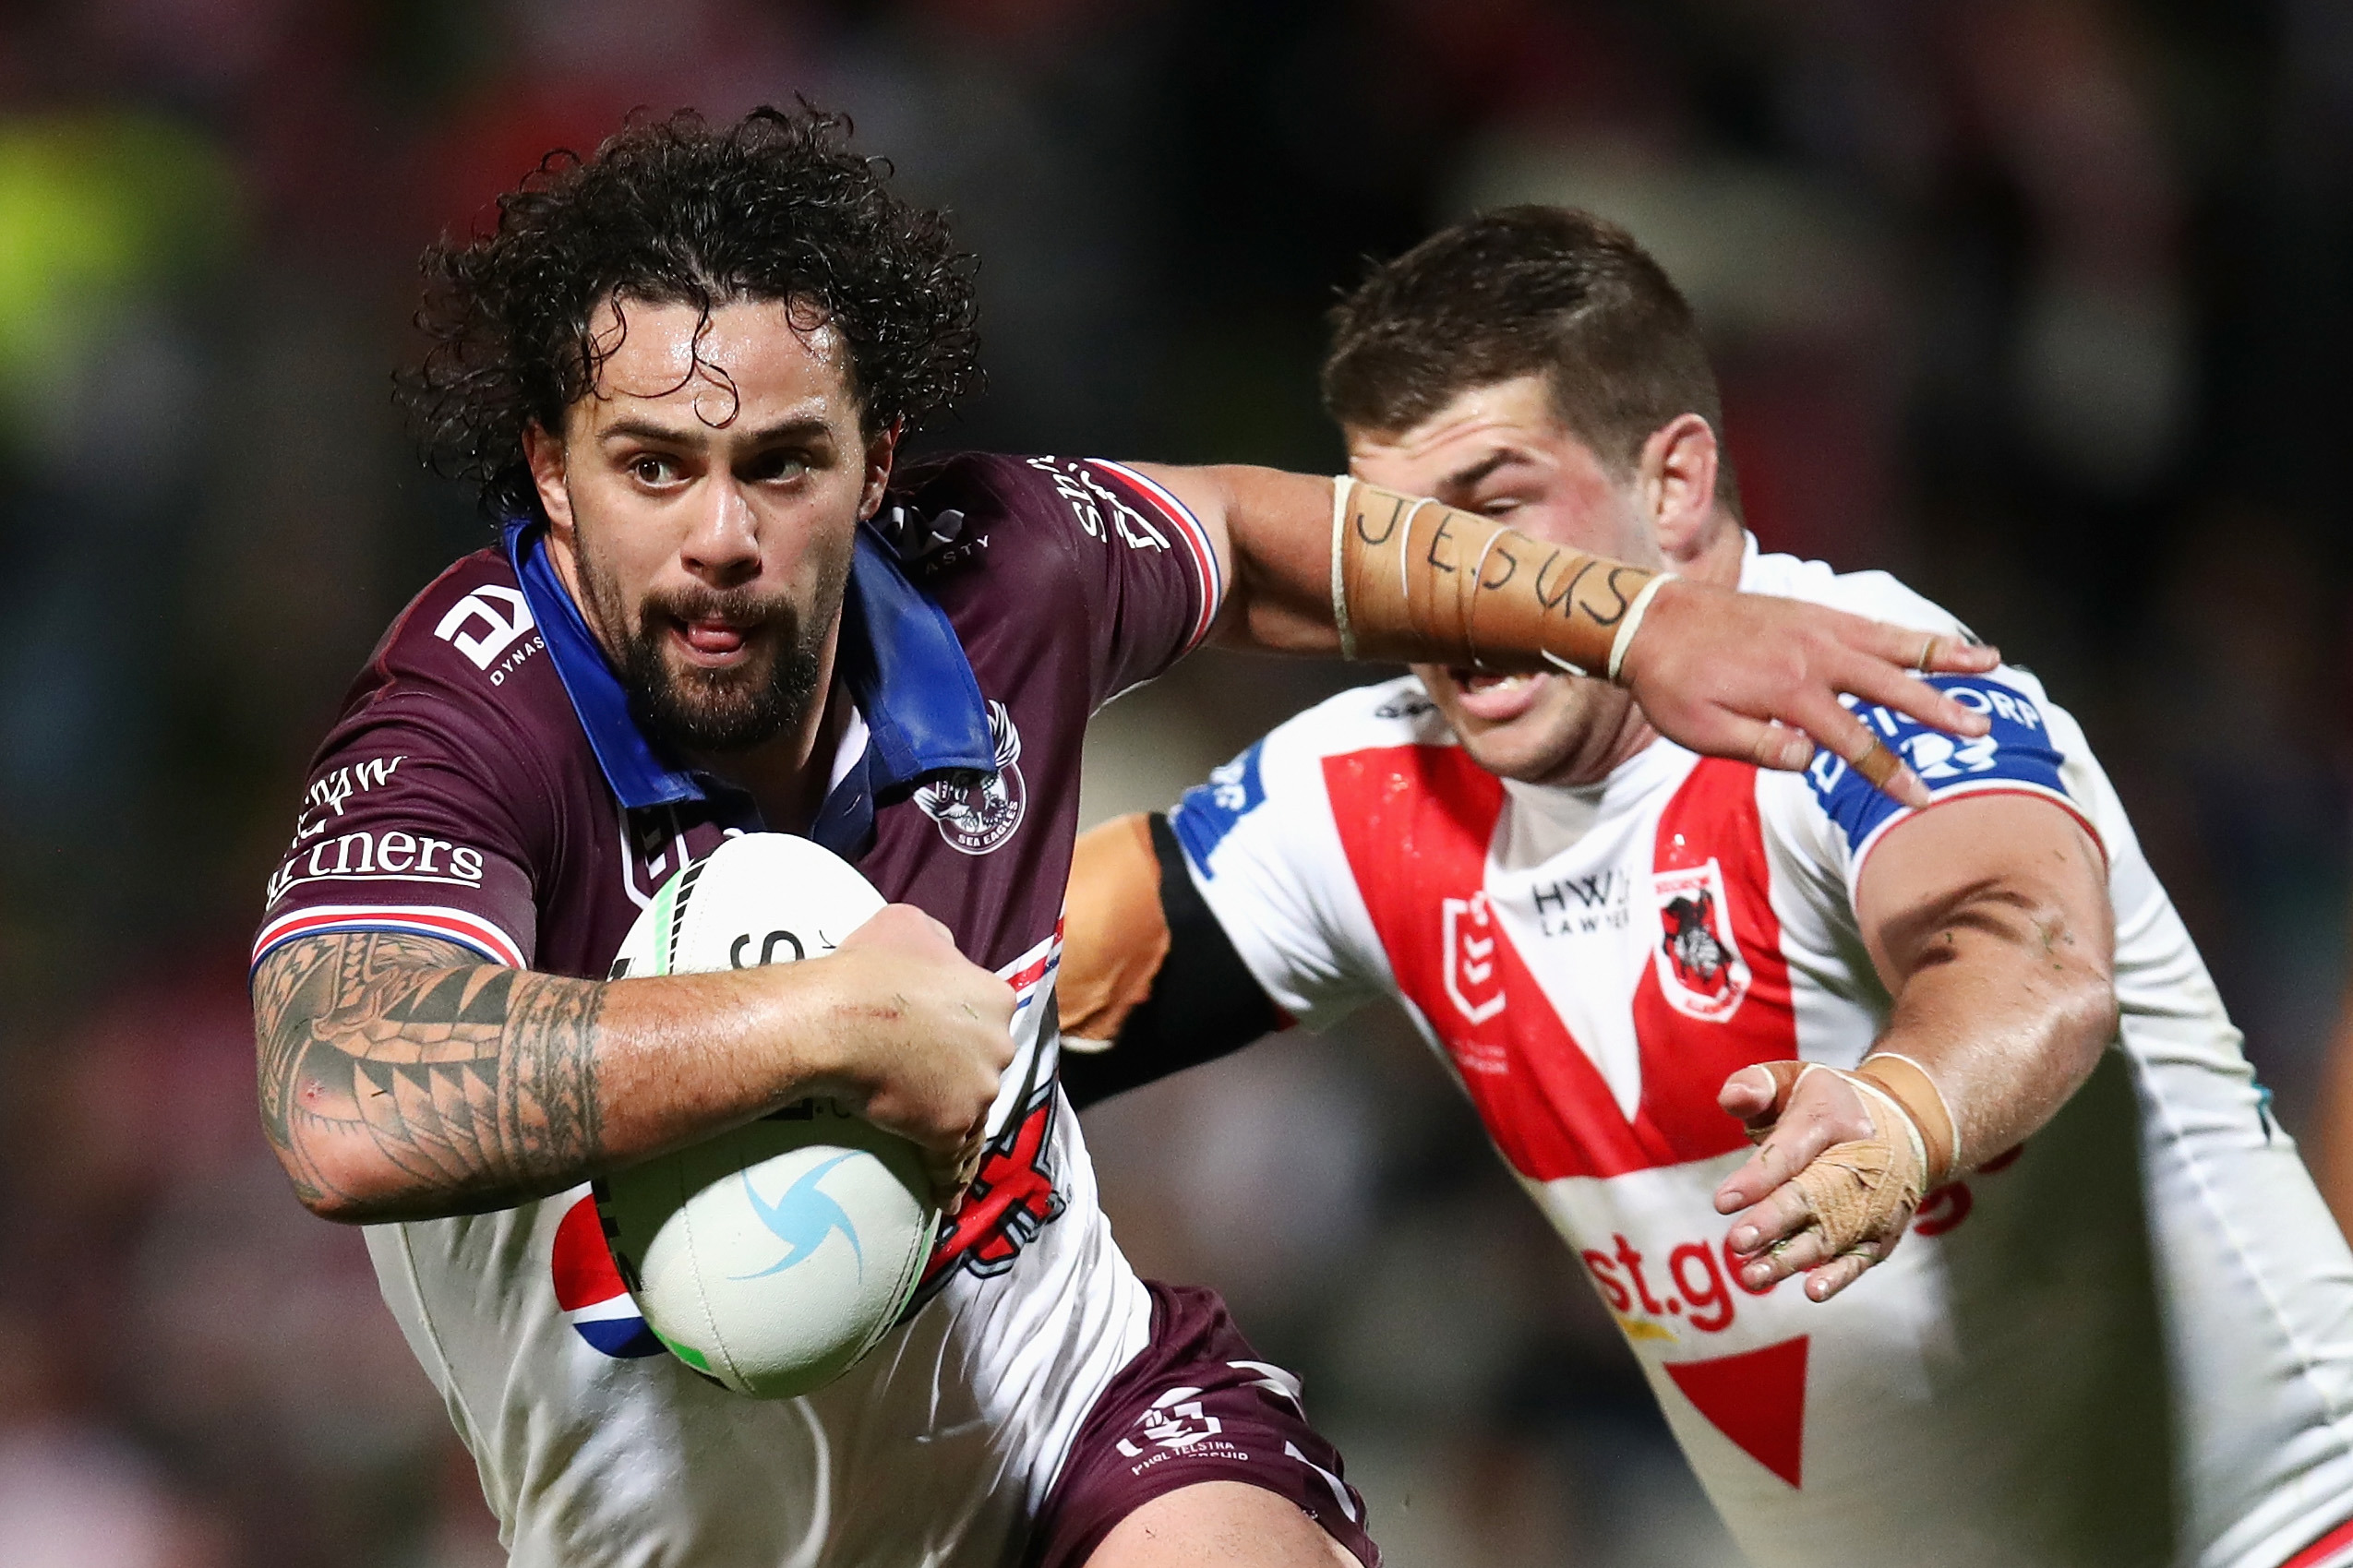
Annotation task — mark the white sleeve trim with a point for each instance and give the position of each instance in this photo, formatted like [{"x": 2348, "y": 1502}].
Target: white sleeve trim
[
  {"x": 1207, "y": 573},
  {"x": 1962, "y": 792}
]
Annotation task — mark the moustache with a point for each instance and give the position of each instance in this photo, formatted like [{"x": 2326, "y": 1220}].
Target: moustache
[{"x": 740, "y": 608}]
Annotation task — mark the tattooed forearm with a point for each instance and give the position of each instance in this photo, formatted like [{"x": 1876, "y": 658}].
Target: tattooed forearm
[{"x": 402, "y": 1063}]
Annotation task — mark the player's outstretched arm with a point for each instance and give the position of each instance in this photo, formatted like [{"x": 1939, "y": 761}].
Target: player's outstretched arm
[
  {"x": 403, "y": 1079},
  {"x": 1989, "y": 920},
  {"x": 1321, "y": 565}
]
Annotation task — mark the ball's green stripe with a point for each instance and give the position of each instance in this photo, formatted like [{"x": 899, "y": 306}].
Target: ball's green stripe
[{"x": 665, "y": 903}]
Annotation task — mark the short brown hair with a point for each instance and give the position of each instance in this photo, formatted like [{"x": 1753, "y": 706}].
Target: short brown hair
[{"x": 1524, "y": 290}]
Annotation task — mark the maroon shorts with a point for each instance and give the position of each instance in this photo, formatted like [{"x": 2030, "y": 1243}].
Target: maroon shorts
[{"x": 1196, "y": 1405}]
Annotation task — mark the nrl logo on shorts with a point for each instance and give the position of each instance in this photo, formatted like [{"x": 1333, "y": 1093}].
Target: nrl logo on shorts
[
  {"x": 1699, "y": 967},
  {"x": 979, "y": 812}
]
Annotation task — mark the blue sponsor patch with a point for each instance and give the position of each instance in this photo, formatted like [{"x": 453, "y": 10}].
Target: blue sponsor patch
[
  {"x": 1208, "y": 811},
  {"x": 2018, "y": 750}
]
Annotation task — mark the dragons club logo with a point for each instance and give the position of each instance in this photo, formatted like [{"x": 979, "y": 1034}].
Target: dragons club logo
[
  {"x": 1699, "y": 967},
  {"x": 978, "y": 812}
]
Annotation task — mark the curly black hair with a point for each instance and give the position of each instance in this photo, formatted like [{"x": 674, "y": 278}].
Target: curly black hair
[{"x": 774, "y": 207}]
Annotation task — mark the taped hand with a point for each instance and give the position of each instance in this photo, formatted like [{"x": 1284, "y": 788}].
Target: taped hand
[{"x": 1840, "y": 1167}]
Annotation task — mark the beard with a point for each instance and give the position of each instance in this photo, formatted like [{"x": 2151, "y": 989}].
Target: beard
[{"x": 688, "y": 710}]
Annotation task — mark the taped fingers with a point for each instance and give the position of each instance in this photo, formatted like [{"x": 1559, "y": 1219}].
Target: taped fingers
[
  {"x": 1818, "y": 718},
  {"x": 1852, "y": 740},
  {"x": 1776, "y": 746},
  {"x": 1906, "y": 693},
  {"x": 1758, "y": 1095},
  {"x": 1877, "y": 763},
  {"x": 1856, "y": 1191},
  {"x": 1789, "y": 1128},
  {"x": 1825, "y": 1275},
  {"x": 1774, "y": 1225},
  {"x": 1795, "y": 1253},
  {"x": 1834, "y": 1219},
  {"x": 1929, "y": 652},
  {"x": 1862, "y": 1166},
  {"x": 1893, "y": 779}
]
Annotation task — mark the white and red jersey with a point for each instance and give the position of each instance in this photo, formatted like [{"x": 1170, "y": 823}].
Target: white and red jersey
[{"x": 2130, "y": 1341}]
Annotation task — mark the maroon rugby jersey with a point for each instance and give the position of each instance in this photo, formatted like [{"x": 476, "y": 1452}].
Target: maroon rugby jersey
[{"x": 487, "y": 784}]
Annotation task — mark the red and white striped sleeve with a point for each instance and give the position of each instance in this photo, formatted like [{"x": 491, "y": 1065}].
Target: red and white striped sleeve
[
  {"x": 1186, "y": 532},
  {"x": 459, "y": 926}
]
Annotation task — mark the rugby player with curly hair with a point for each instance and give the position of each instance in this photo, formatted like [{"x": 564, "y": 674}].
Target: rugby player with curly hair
[{"x": 679, "y": 371}]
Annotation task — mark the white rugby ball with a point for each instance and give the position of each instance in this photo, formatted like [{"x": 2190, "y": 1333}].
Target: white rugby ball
[{"x": 773, "y": 1256}]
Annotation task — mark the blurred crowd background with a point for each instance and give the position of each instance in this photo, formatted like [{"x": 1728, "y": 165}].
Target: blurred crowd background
[{"x": 2043, "y": 304}]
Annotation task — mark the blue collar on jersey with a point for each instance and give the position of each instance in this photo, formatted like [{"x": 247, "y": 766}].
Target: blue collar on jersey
[{"x": 898, "y": 654}]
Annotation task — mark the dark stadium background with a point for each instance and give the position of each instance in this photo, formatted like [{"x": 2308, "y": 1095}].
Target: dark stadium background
[{"x": 2044, "y": 303}]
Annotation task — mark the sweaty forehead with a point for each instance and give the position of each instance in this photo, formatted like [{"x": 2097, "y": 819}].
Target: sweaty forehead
[{"x": 755, "y": 353}]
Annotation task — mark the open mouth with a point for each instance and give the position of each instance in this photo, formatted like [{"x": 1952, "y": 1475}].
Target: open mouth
[
  {"x": 710, "y": 641},
  {"x": 1496, "y": 698}
]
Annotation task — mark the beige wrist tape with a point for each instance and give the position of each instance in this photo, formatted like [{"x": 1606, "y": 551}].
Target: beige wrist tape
[
  {"x": 1414, "y": 580},
  {"x": 1931, "y": 1113},
  {"x": 1632, "y": 622},
  {"x": 1859, "y": 1191}
]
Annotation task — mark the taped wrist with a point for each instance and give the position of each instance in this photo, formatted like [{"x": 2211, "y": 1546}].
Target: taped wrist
[
  {"x": 1861, "y": 1193},
  {"x": 1909, "y": 1083},
  {"x": 1416, "y": 581}
]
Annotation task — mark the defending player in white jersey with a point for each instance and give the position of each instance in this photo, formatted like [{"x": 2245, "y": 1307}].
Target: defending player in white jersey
[
  {"x": 679, "y": 371},
  {"x": 2118, "y": 1325}
]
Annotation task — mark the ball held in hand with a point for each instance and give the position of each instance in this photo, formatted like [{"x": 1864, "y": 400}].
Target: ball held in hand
[{"x": 772, "y": 1257}]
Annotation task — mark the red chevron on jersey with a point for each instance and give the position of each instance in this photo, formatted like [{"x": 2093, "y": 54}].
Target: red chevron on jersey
[
  {"x": 1756, "y": 1399},
  {"x": 1416, "y": 822}
]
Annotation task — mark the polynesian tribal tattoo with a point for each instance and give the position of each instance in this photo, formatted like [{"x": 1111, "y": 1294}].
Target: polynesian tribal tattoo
[{"x": 478, "y": 1081}]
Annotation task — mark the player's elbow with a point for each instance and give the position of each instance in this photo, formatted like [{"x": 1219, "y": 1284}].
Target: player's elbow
[
  {"x": 339, "y": 1183},
  {"x": 2084, "y": 1016},
  {"x": 350, "y": 1181},
  {"x": 330, "y": 1186},
  {"x": 340, "y": 1207},
  {"x": 2068, "y": 956}
]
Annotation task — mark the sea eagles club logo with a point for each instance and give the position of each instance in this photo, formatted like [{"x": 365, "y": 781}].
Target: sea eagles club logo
[{"x": 980, "y": 812}]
